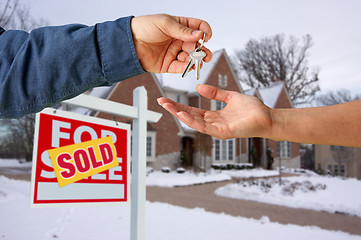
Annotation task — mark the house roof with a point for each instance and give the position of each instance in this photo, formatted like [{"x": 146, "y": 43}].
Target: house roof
[
  {"x": 271, "y": 93},
  {"x": 250, "y": 91},
  {"x": 188, "y": 83},
  {"x": 100, "y": 92}
]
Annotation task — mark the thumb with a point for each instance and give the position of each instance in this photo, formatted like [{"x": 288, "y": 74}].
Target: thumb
[
  {"x": 181, "y": 32},
  {"x": 212, "y": 92}
]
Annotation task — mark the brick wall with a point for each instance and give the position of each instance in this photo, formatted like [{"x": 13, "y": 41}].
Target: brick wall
[{"x": 167, "y": 140}]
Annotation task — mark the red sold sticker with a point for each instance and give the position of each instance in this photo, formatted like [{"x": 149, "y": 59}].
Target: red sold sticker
[
  {"x": 78, "y": 161},
  {"x": 61, "y": 129}
]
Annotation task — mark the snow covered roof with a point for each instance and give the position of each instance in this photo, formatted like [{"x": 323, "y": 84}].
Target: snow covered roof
[
  {"x": 100, "y": 92},
  {"x": 189, "y": 83},
  {"x": 270, "y": 94},
  {"x": 250, "y": 91}
]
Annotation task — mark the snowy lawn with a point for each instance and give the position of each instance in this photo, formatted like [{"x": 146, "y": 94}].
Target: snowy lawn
[
  {"x": 174, "y": 179},
  {"x": 11, "y": 166},
  {"x": 15, "y": 163},
  {"x": 309, "y": 190},
  {"x": 163, "y": 221},
  {"x": 331, "y": 194}
]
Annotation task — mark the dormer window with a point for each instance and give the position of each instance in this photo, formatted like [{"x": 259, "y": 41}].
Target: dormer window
[{"x": 222, "y": 80}]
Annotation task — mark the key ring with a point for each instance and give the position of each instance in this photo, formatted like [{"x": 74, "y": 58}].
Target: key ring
[{"x": 202, "y": 43}]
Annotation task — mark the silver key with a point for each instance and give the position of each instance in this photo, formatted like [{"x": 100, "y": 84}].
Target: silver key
[
  {"x": 197, "y": 57},
  {"x": 189, "y": 65}
]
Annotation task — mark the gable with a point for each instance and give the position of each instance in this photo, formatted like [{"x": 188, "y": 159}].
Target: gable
[
  {"x": 221, "y": 69},
  {"x": 283, "y": 100}
]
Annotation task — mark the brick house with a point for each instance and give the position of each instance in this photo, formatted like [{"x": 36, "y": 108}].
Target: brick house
[
  {"x": 163, "y": 138},
  {"x": 259, "y": 150},
  {"x": 199, "y": 150},
  {"x": 170, "y": 143},
  {"x": 338, "y": 160}
]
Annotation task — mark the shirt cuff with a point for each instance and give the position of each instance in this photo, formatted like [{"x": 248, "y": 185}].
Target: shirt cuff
[{"x": 117, "y": 52}]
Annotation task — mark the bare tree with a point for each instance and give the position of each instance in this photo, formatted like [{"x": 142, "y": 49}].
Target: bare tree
[
  {"x": 18, "y": 142},
  {"x": 337, "y": 97},
  {"x": 14, "y": 15},
  {"x": 273, "y": 59}
]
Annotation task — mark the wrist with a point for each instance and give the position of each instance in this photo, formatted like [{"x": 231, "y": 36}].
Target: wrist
[{"x": 277, "y": 124}]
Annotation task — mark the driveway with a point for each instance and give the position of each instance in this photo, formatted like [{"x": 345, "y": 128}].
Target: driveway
[{"x": 202, "y": 196}]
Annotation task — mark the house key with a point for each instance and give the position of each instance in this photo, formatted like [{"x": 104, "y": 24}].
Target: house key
[
  {"x": 198, "y": 58},
  {"x": 195, "y": 58}
]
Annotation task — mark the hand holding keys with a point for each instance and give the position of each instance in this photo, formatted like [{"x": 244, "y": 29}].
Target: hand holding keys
[{"x": 195, "y": 58}]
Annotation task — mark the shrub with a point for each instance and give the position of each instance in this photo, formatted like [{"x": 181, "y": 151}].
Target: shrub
[
  {"x": 165, "y": 169},
  {"x": 180, "y": 170}
]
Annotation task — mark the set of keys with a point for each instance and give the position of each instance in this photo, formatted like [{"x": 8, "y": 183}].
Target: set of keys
[{"x": 195, "y": 58}]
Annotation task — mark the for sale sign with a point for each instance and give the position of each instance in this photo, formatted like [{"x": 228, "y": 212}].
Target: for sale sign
[{"x": 79, "y": 160}]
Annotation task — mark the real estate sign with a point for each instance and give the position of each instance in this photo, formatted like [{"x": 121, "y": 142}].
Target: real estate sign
[{"x": 90, "y": 157}]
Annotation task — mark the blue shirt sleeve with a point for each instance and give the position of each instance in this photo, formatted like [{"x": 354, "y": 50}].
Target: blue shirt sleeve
[{"x": 51, "y": 64}]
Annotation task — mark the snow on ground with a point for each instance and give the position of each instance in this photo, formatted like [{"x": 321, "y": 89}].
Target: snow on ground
[
  {"x": 13, "y": 166},
  {"x": 163, "y": 221},
  {"x": 340, "y": 195},
  {"x": 174, "y": 179},
  {"x": 252, "y": 173},
  {"x": 331, "y": 194},
  {"x": 15, "y": 163}
]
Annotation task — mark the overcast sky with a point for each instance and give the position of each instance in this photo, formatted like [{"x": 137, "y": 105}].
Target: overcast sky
[{"x": 335, "y": 26}]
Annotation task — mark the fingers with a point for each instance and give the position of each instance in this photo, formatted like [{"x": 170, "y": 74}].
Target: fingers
[
  {"x": 202, "y": 25},
  {"x": 187, "y": 29},
  {"x": 211, "y": 92},
  {"x": 193, "y": 117},
  {"x": 174, "y": 107}
]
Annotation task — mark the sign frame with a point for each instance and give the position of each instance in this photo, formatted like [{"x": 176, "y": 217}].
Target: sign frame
[{"x": 87, "y": 119}]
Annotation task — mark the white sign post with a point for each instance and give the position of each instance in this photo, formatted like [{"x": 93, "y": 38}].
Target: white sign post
[
  {"x": 137, "y": 226},
  {"x": 140, "y": 116}
]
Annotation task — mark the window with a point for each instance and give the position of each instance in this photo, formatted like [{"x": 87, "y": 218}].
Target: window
[
  {"x": 178, "y": 98},
  {"x": 224, "y": 150},
  {"x": 217, "y": 150},
  {"x": 335, "y": 167},
  {"x": 222, "y": 80},
  {"x": 149, "y": 146},
  {"x": 230, "y": 150},
  {"x": 329, "y": 169},
  {"x": 342, "y": 170},
  {"x": 284, "y": 149},
  {"x": 220, "y": 105},
  {"x": 337, "y": 148}
]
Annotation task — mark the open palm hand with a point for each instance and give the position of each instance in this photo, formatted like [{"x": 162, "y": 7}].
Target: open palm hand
[{"x": 244, "y": 116}]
